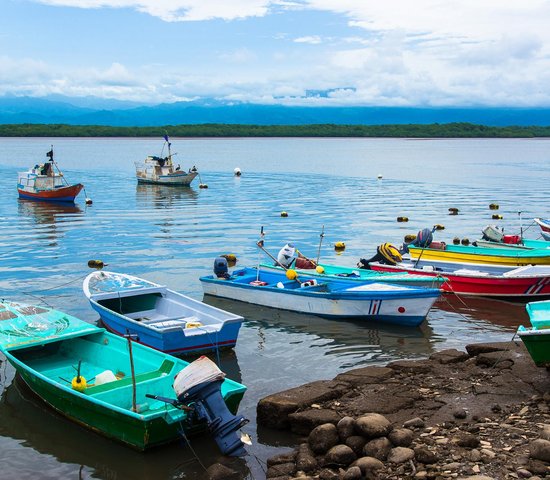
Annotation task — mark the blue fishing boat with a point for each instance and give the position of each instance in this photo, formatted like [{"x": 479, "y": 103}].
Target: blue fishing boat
[
  {"x": 125, "y": 391},
  {"x": 327, "y": 297},
  {"x": 160, "y": 318}
]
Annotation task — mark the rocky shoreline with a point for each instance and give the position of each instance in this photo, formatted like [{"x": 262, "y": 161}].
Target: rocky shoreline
[{"x": 483, "y": 413}]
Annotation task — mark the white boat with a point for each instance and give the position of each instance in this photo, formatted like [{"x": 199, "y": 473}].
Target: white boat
[
  {"x": 329, "y": 297},
  {"x": 161, "y": 170}
]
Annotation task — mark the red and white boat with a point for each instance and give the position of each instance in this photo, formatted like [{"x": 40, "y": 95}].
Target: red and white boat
[
  {"x": 544, "y": 224},
  {"x": 46, "y": 182},
  {"x": 526, "y": 282}
]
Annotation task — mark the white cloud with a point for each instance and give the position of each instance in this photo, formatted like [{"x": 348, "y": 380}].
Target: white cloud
[
  {"x": 312, "y": 39},
  {"x": 177, "y": 10},
  {"x": 396, "y": 52}
]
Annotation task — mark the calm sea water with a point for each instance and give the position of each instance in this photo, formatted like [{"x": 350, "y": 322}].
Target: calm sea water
[{"x": 172, "y": 235}]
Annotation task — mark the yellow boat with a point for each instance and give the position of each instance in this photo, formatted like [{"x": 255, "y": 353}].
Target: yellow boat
[{"x": 475, "y": 254}]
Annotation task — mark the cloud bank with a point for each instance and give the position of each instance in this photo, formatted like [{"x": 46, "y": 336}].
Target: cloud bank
[{"x": 397, "y": 52}]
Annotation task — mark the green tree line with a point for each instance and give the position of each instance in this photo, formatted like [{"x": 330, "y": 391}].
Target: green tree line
[{"x": 436, "y": 130}]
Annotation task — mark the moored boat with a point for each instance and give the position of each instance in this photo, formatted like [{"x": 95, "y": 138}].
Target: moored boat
[
  {"x": 46, "y": 182},
  {"x": 161, "y": 318},
  {"x": 544, "y": 225},
  {"x": 515, "y": 282},
  {"x": 324, "y": 270},
  {"x": 133, "y": 394},
  {"x": 475, "y": 254},
  {"x": 161, "y": 170},
  {"x": 537, "y": 338},
  {"x": 494, "y": 237},
  {"x": 327, "y": 297}
]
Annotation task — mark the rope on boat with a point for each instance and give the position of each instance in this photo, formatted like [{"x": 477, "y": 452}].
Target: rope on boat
[
  {"x": 182, "y": 433},
  {"x": 506, "y": 350}
]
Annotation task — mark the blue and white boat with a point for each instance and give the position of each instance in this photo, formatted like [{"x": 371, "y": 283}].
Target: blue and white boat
[
  {"x": 327, "y": 297},
  {"x": 160, "y": 318}
]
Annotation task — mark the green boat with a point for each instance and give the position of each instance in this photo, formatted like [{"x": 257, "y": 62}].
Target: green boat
[
  {"x": 325, "y": 270},
  {"x": 537, "y": 338},
  {"x": 116, "y": 387}
]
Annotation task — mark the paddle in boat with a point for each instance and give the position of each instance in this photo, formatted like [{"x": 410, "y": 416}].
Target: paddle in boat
[
  {"x": 544, "y": 224},
  {"x": 327, "y": 297},
  {"x": 161, "y": 318},
  {"x": 125, "y": 391},
  {"x": 161, "y": 170},
  {"x": 537, "y": 338},
  {"x": 46, "y": 182}
]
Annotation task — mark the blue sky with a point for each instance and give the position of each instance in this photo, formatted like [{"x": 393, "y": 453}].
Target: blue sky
[{"x": 302, "y": 52}]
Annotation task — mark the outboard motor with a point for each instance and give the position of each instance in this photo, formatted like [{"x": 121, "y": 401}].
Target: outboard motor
[
  {"x": 385, "y": 253},
  {"x": 220, "y": 267},
  {"x": 493, "y": 233},
  {"x": 199, "y": 385},
  {"x": 286, "y": 255},
  {"x": 198, "y": 390},
  {"x": 424, "y": 238}
]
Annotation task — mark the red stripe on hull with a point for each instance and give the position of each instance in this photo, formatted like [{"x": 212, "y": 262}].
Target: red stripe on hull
[{"x": 483, "y": 286}]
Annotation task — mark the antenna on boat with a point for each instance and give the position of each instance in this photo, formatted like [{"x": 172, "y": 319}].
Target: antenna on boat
[
  {"x": 320, "y": 241},
  {"x": 167, "y": 142},
  {"x": 520, "y": 226}
]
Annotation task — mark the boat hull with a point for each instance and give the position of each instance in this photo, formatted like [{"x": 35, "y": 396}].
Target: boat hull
[
  {"x": 369, "y": 301},
  {"x": 537, "y": 343},
  {"x": 482, "y": 285},
  {"x": 61, "y": 194},
  {"x": 184, "y": 179}
]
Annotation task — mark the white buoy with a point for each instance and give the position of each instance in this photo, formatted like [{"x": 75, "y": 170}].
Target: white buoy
[{"x": 237, "y": 172}]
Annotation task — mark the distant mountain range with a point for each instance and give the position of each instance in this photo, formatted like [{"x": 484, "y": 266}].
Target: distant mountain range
[{"x": 96, "y": 111}]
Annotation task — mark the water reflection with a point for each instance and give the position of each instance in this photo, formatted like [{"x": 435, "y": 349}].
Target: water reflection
[
  {"x": 164, "y": 196},
  {"x": 46, "y": 212},
  {"x": 495, "y": 312},
  {"x": 360, "y": 341},
  {"x": 26, "y": 419},
  {"x": 50, "y": 218}
]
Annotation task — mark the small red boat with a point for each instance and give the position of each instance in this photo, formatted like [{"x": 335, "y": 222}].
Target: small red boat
[
  {"x": 46, "y": 182},
  {"x": 526, "y": 282}
]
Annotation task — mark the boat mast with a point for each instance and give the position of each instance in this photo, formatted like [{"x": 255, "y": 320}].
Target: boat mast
[
  {"x": 169, "y": 161},
  {"x": 55, "y": 167}
]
